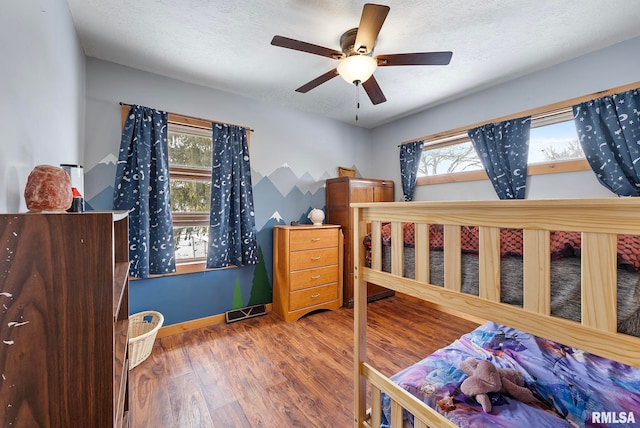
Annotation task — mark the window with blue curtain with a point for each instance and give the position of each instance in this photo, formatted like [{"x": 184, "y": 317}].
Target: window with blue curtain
[
  {"x": 503, "y": 149},
  {"x": 609, "y": 132},
  {"x": 410, "y": 154},
  {"x": 142, "y": 189},
  {"x": 232, "y": 232}
]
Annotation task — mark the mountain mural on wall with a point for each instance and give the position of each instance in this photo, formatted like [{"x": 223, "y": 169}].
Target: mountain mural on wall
[
  {"x": 279, "y": 198},
  {"x": 98, "y": 184},
  {"x": 281, "y": 191},
  {"x": 291, "y": 196}
]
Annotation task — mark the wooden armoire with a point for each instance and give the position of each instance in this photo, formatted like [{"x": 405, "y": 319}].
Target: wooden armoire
[{"x": 340, "y": 192}]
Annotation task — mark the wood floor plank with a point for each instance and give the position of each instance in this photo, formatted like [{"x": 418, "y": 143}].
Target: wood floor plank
[
  {"x": 263, "y": 372},
  {"x": 149, "y": 392},
  {"x": 187, "y": 403},
  {"x": 230, "y": 416},
  {"x": 210, "y": 372},
  {"x": 175, "y": 354}
]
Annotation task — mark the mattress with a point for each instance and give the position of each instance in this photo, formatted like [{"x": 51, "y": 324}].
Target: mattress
[
  {"x": 565, "y": 284},
  {"x": 571, "y": 387}
]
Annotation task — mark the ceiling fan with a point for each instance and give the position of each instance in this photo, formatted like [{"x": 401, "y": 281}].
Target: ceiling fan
[{"x": 356, "y": 62}]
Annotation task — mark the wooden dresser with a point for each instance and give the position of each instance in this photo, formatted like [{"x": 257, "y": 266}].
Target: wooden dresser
[
  {"x": 340, "y": 192},
  {"x": 307, "y": 269},
  {"x": 65, "y": 317}
]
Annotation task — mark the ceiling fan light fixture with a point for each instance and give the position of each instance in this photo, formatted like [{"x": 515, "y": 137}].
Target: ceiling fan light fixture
[{"x": 357, "y": 68}]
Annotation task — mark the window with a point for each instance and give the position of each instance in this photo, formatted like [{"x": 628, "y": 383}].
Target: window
[
  {"x": 553, "y": 147},
  {"x": 454, "y": 157},
  {"x": 190, "y": 161},
  {"x": 555, "y": 142}
]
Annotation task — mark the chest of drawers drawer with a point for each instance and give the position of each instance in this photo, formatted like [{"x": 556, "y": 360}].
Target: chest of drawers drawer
[
  {"x": 312, "y": 277},
  {"x": 313, "y": 258},
  {"x": 309, "y": 239},
  {"x": 307, "y": 268},
  {"x": 313, "y": 296}
]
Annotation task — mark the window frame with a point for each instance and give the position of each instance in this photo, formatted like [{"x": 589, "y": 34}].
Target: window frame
[
  {"x": 544, "y": 118},
  {"x": 534, "y": 169}
]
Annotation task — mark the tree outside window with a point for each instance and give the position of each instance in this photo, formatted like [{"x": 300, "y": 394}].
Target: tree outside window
[
  {"x": 190, "y": 161},
  {"x": 553, "y": 140}
]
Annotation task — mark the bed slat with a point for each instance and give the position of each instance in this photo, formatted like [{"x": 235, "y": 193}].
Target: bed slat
[
  {"x": 537, "y": 272},
  {"x": 376, "y": 406},
  {"x": 422, "y": 252},
  {"x": 599, "y": 286},
  {"x": 452, "y": 258},
  {"x": 376, "y": 243},
  {"x": 419, "y": 424},
  {"x": 489, "y": 263},
  {"x": 397, "y": 248},
  {"x": 396, "y": 414}
]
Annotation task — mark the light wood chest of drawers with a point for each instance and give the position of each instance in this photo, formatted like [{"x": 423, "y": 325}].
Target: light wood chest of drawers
[{"x": 307, "y": 269}]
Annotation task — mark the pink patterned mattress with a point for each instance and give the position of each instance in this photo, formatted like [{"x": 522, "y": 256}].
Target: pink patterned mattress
[{"x": 563, "y": 244}]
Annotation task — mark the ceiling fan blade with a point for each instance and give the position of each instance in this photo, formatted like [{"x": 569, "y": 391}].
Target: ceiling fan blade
[
  {"x": 373, "y": 16},
  {"x": 373, "y": 90},
  {"x": 420, "y": 58},
  {"x": 318, "y": 81},
  {"x": 297, "y": 45}
]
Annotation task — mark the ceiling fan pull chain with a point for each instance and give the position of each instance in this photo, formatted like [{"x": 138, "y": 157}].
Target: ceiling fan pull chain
[{"x": 357, "y": 98}]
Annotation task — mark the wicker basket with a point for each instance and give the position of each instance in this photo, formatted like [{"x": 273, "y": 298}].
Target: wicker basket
[
  {"x": 143, "y": 328},
  {"x": 344, "y": 171}
]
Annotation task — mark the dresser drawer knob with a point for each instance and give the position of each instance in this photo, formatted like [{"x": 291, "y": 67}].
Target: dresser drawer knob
[
  {"x": 315, "y": 239},
  {"x": 313, "y": 296},
  {"x": 315, "y": 277},
  {"x": 315, "y": 259}
]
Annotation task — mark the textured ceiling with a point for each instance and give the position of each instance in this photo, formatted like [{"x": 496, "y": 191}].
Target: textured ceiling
[{"x": 226, "y": 45}]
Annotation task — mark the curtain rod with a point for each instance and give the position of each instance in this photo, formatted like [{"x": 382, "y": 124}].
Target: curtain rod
[
  {"x": 531, "y": 112},
  {"x": 199, "y": 118}
]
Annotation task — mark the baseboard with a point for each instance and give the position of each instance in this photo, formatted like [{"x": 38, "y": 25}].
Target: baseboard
[{"x": 197, "y": 323}]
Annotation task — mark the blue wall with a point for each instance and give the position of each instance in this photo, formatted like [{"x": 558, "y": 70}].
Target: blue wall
[{"x": 190, "y": 296}]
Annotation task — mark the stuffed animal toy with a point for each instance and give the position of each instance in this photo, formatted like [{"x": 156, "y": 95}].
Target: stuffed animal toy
[{"x": 484, "y": 377}]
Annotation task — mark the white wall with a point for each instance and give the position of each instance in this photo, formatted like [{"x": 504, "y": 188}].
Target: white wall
[
  {"x": 615, "y": 66},
  {"x": 42, "y": 81},
  {"x": 308, "y": 144}
]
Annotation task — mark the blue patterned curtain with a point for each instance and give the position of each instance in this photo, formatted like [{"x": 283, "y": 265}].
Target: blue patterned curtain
[
  {"x": 232, "y": 231},
  {"x": 142, "y": 188},
  {"x": 503, "y": 149},
  {"x": 609, "y": 132},
  {"x": 410, "y": 154}
]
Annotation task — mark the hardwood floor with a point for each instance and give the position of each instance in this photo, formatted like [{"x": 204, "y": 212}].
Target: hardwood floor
[{"x": 263, "y": 372}]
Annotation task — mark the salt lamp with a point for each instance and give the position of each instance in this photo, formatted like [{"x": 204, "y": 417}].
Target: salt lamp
[{"x": 48, "y": 189}]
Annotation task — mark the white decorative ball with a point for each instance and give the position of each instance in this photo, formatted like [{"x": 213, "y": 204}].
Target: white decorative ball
[{"x": 316, "y": 216}]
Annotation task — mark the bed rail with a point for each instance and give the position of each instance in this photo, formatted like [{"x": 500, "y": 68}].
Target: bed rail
[{"x": 598, "y": 220}]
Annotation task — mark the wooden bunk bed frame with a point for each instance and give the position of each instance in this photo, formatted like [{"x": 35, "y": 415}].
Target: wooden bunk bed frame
[{"x": 599, "y": 221}]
